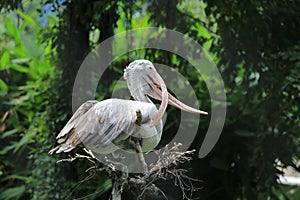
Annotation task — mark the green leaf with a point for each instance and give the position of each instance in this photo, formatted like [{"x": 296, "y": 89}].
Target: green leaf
[
  {"x": 27, "y": 18},
  {"x": 4, "y": 60},
  {"x": 12, "y": 30},
  {"x": 19, "y": 68},
  {"x": 3, "y": 87},
  {"x": 20, "y": 60},
  {"x": 27, "y": 138},
  {"x": 15, "y": 176},
  {"x": 19, "y": 52},
  {"x": 2, "y": 28},
  {"x": 13, "y": 193},
  {"x": 105, "y": 186},
  {"x": 34, "y": 66},
  {"x": 33, "y": 50},
  {"x": 7, "y": 149},
  {"x": 244, "y": 133},
  {"x": 10, "y": 132}
]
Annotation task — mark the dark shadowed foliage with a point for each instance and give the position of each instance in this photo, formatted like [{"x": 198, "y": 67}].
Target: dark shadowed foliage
[{"x": 255, "y": 44}]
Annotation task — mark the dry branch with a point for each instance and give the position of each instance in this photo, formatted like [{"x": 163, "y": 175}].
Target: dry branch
[{"x": 166, "y": 167}]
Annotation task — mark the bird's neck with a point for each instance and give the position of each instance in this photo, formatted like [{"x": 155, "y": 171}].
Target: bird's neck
[{"x": 143, "y": 98}]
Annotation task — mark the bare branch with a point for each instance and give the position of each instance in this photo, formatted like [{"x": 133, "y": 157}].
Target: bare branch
[{"x": 166, "y": 167}]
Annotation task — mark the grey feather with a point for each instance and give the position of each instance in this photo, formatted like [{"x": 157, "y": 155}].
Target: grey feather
[{"x": 98, "y": 124}]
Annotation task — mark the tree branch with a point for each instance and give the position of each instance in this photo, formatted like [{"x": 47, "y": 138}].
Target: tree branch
[{"x": 166, "y": 167}]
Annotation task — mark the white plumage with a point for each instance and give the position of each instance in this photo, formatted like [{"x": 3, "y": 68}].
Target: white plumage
[{"x": 103, "y": 127}]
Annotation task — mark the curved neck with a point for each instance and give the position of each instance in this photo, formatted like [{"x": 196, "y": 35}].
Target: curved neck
[
  {"x": 138, "y": 95},
  {"x": 139, "y": 89}
]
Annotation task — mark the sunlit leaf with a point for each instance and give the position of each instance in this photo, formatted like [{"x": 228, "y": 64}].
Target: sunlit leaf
[
  {"x": 3, "y": 87},
  {"x": 19, "y": 68},
  {"x": 12, "y": 30},
  {"x": 20, "y": 60},
  {"x": 4, "y": 60},
  {"x": 27, "y": 18},
  {"x": 20, "y": 51}
]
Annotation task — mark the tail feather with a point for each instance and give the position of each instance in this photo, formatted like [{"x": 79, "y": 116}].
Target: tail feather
[
  {"x": 61, "y": 148},
  {"x": 53, "y": 150}
]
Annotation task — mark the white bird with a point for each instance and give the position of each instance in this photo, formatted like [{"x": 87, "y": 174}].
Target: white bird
[{"x": 106, "y": 126}]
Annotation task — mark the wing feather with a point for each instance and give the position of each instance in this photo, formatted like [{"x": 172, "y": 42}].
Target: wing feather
[
  {"x": 76, "y": 117},
  {"x": 98, "y": 124}
]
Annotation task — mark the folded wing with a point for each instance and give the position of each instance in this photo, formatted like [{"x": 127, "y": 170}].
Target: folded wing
[{"x": 97, "y": 125}]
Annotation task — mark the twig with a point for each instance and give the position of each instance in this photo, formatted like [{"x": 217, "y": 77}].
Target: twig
[{"x": 165, "y": 167}]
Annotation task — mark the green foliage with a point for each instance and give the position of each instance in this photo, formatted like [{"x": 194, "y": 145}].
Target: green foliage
[
  {"x": 25, "y": 64},
  {"x": 259, "y": 56},
  {"x": 13, "y": 193},
  {"x": 255, "y": 44},
  {"x": 26, "y": 74}
]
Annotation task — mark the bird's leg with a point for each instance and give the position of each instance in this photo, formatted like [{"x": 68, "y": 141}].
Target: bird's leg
[
  {"x": 141, "y": 157},
  {"x": 135, "y": 142}
]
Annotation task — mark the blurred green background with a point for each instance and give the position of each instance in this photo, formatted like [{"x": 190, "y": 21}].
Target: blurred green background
[{"x": 255, "y": 44}]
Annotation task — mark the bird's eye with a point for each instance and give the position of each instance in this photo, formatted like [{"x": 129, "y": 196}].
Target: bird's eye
[{"x": 149, "y": 67}]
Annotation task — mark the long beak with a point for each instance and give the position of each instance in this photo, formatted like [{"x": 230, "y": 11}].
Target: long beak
[
  {"x": 159, "y": 92},
  {"x": 175, "y": 102}
]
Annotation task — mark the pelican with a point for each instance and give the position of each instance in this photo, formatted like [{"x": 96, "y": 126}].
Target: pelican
[{"x": 106, "y": 126}]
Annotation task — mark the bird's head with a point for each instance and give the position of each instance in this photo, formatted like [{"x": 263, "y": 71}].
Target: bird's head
[{"x": 143, "y": 81}]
